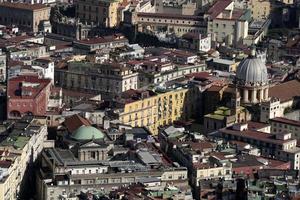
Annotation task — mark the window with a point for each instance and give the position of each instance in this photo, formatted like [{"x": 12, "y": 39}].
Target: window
[{"x": 93, "y": 154}]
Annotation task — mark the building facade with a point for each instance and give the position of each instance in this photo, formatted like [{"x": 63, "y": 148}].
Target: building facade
[
  {"x": 29, "y": 17},
  {"x": 280, "y": 146},
  {"x": 170, "y": 23},
  {"x": 14, "y": 172},
  {"x": 99, "y": 43},
  {"x": 101, "y": 12},
  {"x": 260, "y": 9},
  {"x": 2, "y": 67},
  {"x": 227, "y": 24},
  {"x": 283, "y": 125},
  {"x": 270, "y": 109},
  {"x": 27, "y": 95},
  {"x": 196, "y": 42},
  {"x": 106, "y": 79},
  {"x": 157, "y": 109}
]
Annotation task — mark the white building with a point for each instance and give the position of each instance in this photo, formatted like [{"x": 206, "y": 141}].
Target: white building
[
  {"x": 46, "y": 66},
  {"x": 196, "y": 42},
  {"x": 130, "y": 51},
  {"x": 270, "y": 109},
  {"x": 40, "y": 1},
  {"x": 284, "y": 125},
  {"x": 227, "y": 24}
]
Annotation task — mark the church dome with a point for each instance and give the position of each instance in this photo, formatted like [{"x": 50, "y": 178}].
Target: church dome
[
  {"x": 252, "y": 71},
  {"x": 87, "y": 133}
]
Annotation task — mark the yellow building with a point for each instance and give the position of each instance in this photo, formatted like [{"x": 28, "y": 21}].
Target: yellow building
[
  {"x": 154, "y": 109},
  {"x": 102, "y": 12},
  {"x": 260, "y": 9}
]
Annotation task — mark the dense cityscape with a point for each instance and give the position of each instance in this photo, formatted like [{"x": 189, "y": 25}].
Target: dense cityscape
[{"x": 149, "y": 100}]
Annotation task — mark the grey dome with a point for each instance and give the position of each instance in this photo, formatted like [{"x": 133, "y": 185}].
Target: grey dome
[{"x": 252, "y": 71}]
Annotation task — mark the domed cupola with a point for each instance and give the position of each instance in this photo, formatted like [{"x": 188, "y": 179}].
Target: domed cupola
[
  {"x": 252, "y": 79},
  {"x": 252, "y": 72}
]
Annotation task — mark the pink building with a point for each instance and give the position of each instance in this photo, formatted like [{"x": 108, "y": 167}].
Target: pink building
[{"x": 27, "y": 95}]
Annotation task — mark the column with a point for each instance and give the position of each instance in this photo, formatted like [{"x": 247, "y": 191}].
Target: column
[
  {"x": 253, "y": 99},
  {"x": 261, "y": 95},
  {"x": 266, "y": 94},
  {"x": 245, "y": 96}
]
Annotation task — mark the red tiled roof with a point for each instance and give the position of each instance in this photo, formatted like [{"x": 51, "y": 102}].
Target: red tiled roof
[
  {"x": 201, "y": 145},
  {"x": 44, "y": 60},
  {"x": 104, "y": 39},
  {"x": 286, "y": 121},
  {"x": 23, "y": 6},
  {"x": 218, "y": 7},
  {"x": 239, "y": 143},
  {"x": 71, "y": 93},
  {"x": 215, "y": 88},
  {"x": 219, "y": 155},
  {"x": 286, "y": 91},
  {"x": 5, "y": 163},
  {"x": 255, "y": 135},
  {"x": 169, "y": 16},
  {"x": 74, "y": 122},
  {"x": 256, "y": 125},
  {"x": 14, "y": 84}
]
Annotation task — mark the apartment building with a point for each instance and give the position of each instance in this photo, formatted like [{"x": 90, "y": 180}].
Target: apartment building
[
  {"x": 260, "y": 9},
  {"x": 285, "y": 125},
  {"x": 30, "y": 16},
  {"x": 99, "y": 43},
  {"x": 46, "y": 66},
  {"x": 27, "y": 95},
  {"x": 179, "y": 71},
  {"x": 27, "y": 51},
  {"x": 106, "y": 79},
  {"x": 100, "y": 12},
  {"x": 170, "y": 23},
  {"x": 96, "y": 178},
  {"x": 156, "y": 108},
  {"x": 280, "y": 146},
  {"x": 195, "y": 42},
  {"x": 20, "y": 150},
  {"x": 227, "y": 24},
  {"x": 211, "y": 170}
]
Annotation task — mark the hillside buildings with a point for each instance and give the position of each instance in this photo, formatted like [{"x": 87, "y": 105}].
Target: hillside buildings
[
  {"x": 149, "y": 99},
  {"x": 280, "y": 146},
  {"x": 19, "y": 150}
]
